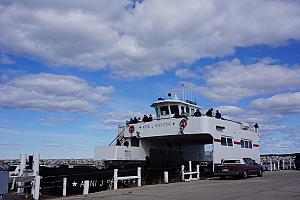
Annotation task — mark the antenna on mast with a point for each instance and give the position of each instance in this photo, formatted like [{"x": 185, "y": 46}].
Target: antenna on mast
[{"x": 183, "y": 92}]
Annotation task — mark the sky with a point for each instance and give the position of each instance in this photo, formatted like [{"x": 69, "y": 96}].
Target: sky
[{"x": 71, "y": 71}]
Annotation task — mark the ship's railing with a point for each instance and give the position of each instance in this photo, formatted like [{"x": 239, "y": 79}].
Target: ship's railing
[
  {"x": 190, "y": 173},
  {"x": 119, "y": 134},
  {"x": 242, "y": 125}
]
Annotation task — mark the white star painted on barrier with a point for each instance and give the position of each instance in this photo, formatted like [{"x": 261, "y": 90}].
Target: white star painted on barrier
[{"x": 74, "y": 184}]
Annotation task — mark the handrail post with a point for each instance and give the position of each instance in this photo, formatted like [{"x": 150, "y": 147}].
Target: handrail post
[
  {"x": 182, "y": 172},
  {"x": 115, "y": 179},
  {"x": 139, "y": 174},
  {"x": 64, "y": 187},
  {"x": 166, "y": 177},
  {"x": 190, "y": 169},
  {"x": 86, "y": 187},
  {"x": 198, "y": 172}
]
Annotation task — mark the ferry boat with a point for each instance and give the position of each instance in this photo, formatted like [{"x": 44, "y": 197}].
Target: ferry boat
[{"x": 177, "y": 138}]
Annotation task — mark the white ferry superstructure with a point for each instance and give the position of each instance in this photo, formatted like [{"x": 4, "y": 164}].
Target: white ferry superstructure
[{"x": 187, "y": 134}]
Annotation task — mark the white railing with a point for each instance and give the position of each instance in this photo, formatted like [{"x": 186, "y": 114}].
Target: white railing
[
  {"x": 138, "y": 177},
  {"x": 190, "y": 173}
]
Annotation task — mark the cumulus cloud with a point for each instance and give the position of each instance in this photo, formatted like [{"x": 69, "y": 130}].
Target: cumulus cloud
[
  {"x": 230, "y": 81},
  {"x": 286, "y": 103},
  {"x": 145, "y": 40},
  {"x": 51, "y": 92}
]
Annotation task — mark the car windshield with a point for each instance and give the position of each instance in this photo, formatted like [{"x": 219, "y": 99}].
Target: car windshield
[
  {"x": 11, "y": 168},
  {"x": 231, "y": 161}
]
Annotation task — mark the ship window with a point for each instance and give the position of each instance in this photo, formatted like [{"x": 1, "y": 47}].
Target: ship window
[
  {"x": 164, "y": 110},
  {"x": 242, "y": 143},
  {"x": 192, "y": 111},
  {"x": 226, "y": 141},
  {"x": 135, "y": 142},
  {"x": 187, "y": 109},
  {"x": 246, "y": 144},
  {"x": 157, "y": 112},
  {"x": 174, "y": 109},
  {"x": 229, "y": 142},
  {"x": 223, "y": 141},
  {"x": 182, "y": 109}
]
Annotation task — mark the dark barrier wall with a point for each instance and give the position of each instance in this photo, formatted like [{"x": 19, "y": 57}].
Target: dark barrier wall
[{"x": 52, "y": 180}]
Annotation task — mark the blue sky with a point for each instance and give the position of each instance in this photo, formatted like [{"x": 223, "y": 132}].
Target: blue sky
[{"x": 71, "y": 71}]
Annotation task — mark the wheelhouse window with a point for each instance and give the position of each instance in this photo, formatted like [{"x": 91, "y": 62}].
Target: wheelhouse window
[
  {"x": 192, "y": 112},
  {"x": 164, "y": 110},
  {"x": 226, "y": 141},
  {"x": 174, "y": 109},
  {"x": 187, "y": 110},
  {"x": 157, "y": 112}
]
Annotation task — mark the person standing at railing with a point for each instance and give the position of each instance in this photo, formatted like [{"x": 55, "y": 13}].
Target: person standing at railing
[
  {"x": 209, "y": 112},
  {"x": 218, "y": 115}
]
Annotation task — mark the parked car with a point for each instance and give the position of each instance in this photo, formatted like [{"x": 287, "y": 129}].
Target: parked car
[
  {"x": 13, "y": 170},
  {"x": 238, "y": 167}
]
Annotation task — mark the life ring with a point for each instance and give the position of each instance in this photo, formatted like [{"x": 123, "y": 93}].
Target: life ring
[
  {"x": 131, "y": 129},
  {"x": 183, "y": 123}
]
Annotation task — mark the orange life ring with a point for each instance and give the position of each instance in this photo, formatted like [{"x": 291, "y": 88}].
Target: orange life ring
[
  {"x": 131, "y": 129},
  {"x": 183, "y": 123}
]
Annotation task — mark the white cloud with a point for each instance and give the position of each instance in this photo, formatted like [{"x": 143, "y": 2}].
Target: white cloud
[
  {"x": 185, "y": 73},
  {"x": 55, "y": 120},
  {"x": 286, "y": 103},
  {"x": 145, "y": 41},
  {"x": 51, "y": 92},
  {"x": 230, "y": 81},
  {"x": 5, "y": 60},
  {"x": 118, "y": 118},
  {"x": 230, "y": 110}
]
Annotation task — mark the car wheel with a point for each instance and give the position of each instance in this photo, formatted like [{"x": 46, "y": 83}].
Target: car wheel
[
  {"x": 245, "y": 174},
  {"x": 222, "y": 177},
  {"x": 260, "y": 173}
]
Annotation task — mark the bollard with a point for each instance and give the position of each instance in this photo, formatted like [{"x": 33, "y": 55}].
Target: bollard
[
  {"x": 198, "y": 172},
  {"x": 21, "y": 171},
  {"x": 36, "y": 164},
  {"x": 190, "y": 169},
  {"x": 182, "y": 172},
  {"x": 64, "y": 187},
  {"x": 139, "y": 174},
  {"x": 86, "y": 187},
  {"x": 166, "y": 177},
  {"x": 37, "y": 181},
  {"x": 115, "y": 179}
]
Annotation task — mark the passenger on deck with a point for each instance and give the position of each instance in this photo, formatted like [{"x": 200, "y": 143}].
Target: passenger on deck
[
  {"x": 197, "y": 113},
  {"x": 150, "y": 118},
  {"x": 145, "y": 118},
  {"x": 256, "y": 127},
  {"x": 218, "y": 115},
  {"x": 209, "y": 112},
  {"x": 130, "y": 121},
  {"x": 135, "y": 120}
]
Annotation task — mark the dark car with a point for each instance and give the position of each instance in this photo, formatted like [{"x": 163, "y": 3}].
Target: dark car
[{"x": 238, "y": 167}]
